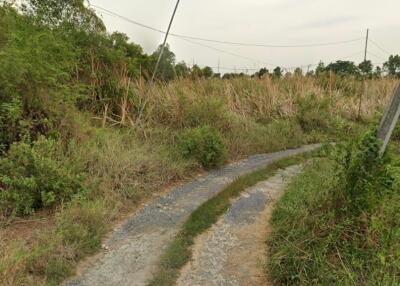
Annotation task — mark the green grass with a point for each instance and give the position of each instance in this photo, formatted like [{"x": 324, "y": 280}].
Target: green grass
[
  {"x": 318, "y": 241},
  {"x": 179, "y": 252}
]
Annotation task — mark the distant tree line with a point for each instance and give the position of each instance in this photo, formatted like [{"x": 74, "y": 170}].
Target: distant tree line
[{"x": 390, "y": 68}]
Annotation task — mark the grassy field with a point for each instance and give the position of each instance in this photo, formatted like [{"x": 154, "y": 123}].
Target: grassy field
[{"x": 118, "y": 166}]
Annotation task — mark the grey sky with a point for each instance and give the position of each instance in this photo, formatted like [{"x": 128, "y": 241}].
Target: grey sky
[{"x": 280, "y": 22}]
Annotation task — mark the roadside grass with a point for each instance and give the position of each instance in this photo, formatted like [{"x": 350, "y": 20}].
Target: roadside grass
[
  {"x": 179, "y": 251},
  {"x": 319, "y": 238},
  {"x": 124, "y": 166}
]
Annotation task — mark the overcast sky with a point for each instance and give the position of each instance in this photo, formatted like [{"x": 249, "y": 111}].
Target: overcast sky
[{"x": 274, "y": 22}]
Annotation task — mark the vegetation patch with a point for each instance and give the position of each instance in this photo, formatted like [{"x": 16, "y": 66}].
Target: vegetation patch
[
  {"x": 338, "y": 222},
  {"x": 204, "y": 144},
  {"x": 36, "y": 176},
  {"x": 179, "y": 251}
]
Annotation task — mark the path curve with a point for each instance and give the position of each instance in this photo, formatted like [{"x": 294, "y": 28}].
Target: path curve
[
  {"x": 232, "y": 252},
  {"x": 135, "y": 248}
]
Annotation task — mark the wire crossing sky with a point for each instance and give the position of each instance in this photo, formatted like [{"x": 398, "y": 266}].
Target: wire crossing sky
[{"x": 256, "y": 33}]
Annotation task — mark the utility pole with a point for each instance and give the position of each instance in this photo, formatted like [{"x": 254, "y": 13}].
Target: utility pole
[
  {"x": 366, "y": 46},
  {"x": 165, "y": 41},
  {"x": 139, "y": 118},
  {"x": 219, "y": 62},
  {"x": 363, "y": 91}
]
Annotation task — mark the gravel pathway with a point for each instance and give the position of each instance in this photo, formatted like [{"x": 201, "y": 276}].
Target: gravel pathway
[
  {"x": 134, "y": 249},
  {"x": 232, "y": 252}
]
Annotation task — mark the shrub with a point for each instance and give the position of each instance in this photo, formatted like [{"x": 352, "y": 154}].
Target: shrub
[
  {"x": 203, "y": 144},
  {"x": 396, "y": 133},
  {"x": 364, "y": 175},
  {"x": 35, "y": 176}
]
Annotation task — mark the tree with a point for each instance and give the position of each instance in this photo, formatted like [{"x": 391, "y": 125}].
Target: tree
[
  {"x": 343, "y": 68},
  {"x": 378, "y": 72},
  {"x": 263, "y": 72},
  {"x": 298, "y": 72},
  {"x": 207, "y": 72},
  {"x": 197, "y": 72},
  {"x": 366, "y": 68},
  {"x": 123, "y": 51},
  {"x": 392, "y": 66},
  {"x": 277, "y": 72},
  {"x": 320, "y": 68},
  {"x": 166, "y": 68},
  {"x": 182, "y": 70},
  {"x": 217, "y": 75},
  {"x": 64, "y": 13}
]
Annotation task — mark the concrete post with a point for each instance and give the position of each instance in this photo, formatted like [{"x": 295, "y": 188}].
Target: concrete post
[{"x": 389, "y": 120}]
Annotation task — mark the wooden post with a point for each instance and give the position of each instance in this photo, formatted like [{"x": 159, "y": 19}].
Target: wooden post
[{"x": 389, "y": 120}]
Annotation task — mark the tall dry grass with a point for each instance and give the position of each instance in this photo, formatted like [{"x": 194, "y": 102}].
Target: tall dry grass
[{"x": 263, "y": 99}]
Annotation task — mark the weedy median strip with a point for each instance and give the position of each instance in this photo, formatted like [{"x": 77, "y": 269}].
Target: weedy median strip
[{"x": 179, "y": 251}]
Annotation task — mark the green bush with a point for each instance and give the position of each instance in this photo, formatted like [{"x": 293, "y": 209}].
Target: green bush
[
  {"x": 396, "y": 133},
  {"x": 203, "y": 144},
  {"x": 364, "y": 176},
  {"x": 35, "y": 176}
]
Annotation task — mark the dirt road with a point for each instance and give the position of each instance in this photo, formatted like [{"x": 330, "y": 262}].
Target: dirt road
[{"x": 134, "y": 249}]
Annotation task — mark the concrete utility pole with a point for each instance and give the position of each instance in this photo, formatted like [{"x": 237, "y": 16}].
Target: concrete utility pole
[
  {"x": 362, "y": 94},
  {"x": 366, "y": 46},
  {"x": 165, "y": 42},
  {"x": 389, "y": 120}
]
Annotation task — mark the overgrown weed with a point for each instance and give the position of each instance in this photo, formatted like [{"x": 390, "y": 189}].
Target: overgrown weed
[{"x": 336, "y": 223}]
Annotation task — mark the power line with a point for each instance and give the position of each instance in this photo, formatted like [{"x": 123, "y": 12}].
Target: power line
[
  {"x": 188, "y": 39},
  {"x": 110, "y": 13},
  {"x": 309, "y": 45},
  {"x": 376, "y": 56},
  {"x": 191, "y": 39},
  {"x": 379, "y": 47},
  {"x": 268, "y": 45},
  {"x": 227, "y": 52},
  {"x": 381, "y": 55}
]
